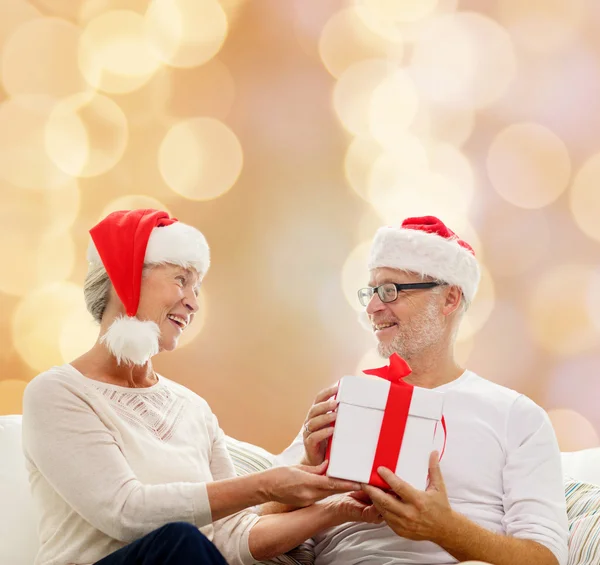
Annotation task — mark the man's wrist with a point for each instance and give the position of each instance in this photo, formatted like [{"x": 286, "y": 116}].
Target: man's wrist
[{"x": 451, "y": 530}]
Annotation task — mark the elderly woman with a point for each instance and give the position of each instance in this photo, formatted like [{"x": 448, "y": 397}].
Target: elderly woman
[{"x": 129, "y": 468}]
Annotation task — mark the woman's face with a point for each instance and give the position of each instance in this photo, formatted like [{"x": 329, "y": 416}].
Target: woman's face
[{"x": 169, "y": 297}]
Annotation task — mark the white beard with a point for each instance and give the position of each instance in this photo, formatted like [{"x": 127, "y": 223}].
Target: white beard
[{"x": 425, "y": 329}]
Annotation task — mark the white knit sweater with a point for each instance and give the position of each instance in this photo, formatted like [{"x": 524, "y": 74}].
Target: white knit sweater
[{"x": 109, "y": 464}]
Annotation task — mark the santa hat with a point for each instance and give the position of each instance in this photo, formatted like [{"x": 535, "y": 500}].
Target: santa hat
[
  {"x": 123, "y": 243},
  {"x": 428, "y": 247}
]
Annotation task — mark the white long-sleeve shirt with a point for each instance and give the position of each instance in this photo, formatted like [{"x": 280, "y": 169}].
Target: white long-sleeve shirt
[
  {"x": 502, "y": 470},
  {"x": 109, "y": 464}
]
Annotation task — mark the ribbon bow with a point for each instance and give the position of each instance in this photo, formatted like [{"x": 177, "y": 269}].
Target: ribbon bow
[{"x": 394, "y": 372}]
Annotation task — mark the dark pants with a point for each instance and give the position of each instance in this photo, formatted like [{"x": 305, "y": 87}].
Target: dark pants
[{"x": 178, "y": 543}]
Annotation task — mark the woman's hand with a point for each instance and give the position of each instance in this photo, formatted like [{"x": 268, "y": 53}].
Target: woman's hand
[
  {"x": 302, "y": 485},
  {"x": 318, "y": 426},
  {"x": 352, "y": 507}
]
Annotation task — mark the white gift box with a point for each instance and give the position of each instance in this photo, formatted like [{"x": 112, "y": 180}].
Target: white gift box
[{"x": 362, "y": 402}]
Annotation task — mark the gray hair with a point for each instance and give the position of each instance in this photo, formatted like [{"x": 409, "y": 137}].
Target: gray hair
[
  {"x": 96, "y": 289},
  {"x": 464, "y": 303}
]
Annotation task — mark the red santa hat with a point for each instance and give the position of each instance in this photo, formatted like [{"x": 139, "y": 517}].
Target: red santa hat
[
  {"x": 124, "y": 242},
  {"x": 428, "y": 247}
]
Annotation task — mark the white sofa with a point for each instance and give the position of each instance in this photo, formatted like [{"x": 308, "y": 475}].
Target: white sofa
[{"x": 18, "y": 538}]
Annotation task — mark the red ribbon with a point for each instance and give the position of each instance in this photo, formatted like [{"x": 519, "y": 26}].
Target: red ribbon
[{"x": 394, "y": 417}]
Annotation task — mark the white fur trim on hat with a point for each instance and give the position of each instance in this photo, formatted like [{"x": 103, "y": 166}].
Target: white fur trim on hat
[
  {"x": 426, "y": 254},
  {"x": 132, "y": 341},
  {"x": 177, "y": 244}
]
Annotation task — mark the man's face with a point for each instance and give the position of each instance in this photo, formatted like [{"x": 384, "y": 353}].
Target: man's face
[{"x": 410, "y": 325}]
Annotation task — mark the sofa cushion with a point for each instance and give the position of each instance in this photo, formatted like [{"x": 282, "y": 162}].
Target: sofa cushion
[
  {"x": 583, "y": 465},
  {"x": 583, "y": 510},
  {"x": 18, "y": 536}
]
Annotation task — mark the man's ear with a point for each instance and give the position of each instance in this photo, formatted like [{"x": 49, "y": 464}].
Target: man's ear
[{"x": 454, "y": 297}]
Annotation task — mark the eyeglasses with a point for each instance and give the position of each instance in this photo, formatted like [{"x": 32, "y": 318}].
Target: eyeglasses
[{"x": 388, "y": 292}]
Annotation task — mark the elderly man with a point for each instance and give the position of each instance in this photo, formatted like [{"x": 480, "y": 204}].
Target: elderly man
[{"x": 497, "y": 495}]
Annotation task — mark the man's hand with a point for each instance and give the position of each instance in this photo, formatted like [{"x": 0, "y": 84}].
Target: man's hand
[
  {"x": 318, "y": 426},
  {"x": 411, "y": 513}
]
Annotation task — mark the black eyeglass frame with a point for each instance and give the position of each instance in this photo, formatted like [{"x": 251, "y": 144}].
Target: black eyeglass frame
[{"x": 368, "y": 292}]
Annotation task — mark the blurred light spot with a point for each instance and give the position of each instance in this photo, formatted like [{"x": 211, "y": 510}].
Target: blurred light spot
[
  {"x": 559, "y": 313},
  {"x": 453, "y": 165},
  {"x": 480, "y": 310},
  {"x": 200, "y": 158},
  {"x": 13, "y": 14},
  {"x": 86, "y": 134},
  {"x": 520, "y": 249},
  {"x": 475, "y": 66},
  {"x": 573, "y": 431},
  {"x": 78, "y": 332},
  {"x": 24, "y": 161},
  {"x": 39, "y": 212},
  {"x": 34, "y": 259},
  {"x": 355, "y": 274},
  {"x": 542, "y": 26},
  {"x": 370, "y": 360},
  {"x": 463, "y": 350},
  {"x": 407, "y": 154},
  {"x": 453, "y": 126},
  {"x": 91, "y": 9},
  {"x": 41, "y": 58},
  {"x": 66, "y": 9},
  {"x": 360, "y": 156},
  {"x": 368, "y": 224},
  {"x": 38, "y": 320},
  {"x": 593, "y": 298},
  {"x": 186, "y": 33},
  {"x": 585, "y": 198},
  {"x": 353, "y": 92},
  {"x": 208, "y": 90},
  {"x": 133, "y": 202},
  {"x": 346, "y": 40},
  {"x": 144, "y": 176},
  {"x": 233, "y": 8},
  {"x": 574, "y": 384},
  {"x": 387, "y": 16},
  {"x": 11, "y": 396},
  {"x": 309, "y": 18},
  {"x": 399, "y": 189},
  {"x": 193, "y": 330},
  {"x": 505, "y": 352},
  {"x": 528, "y": 165},
  {"x": 148, "y": 105},
  {"x": 392, "y": 108},
  {"x": 114, "y": 55}
]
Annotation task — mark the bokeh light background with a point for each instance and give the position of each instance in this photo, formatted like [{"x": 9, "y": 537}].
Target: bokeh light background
[{"x": 288, "y": 131}]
